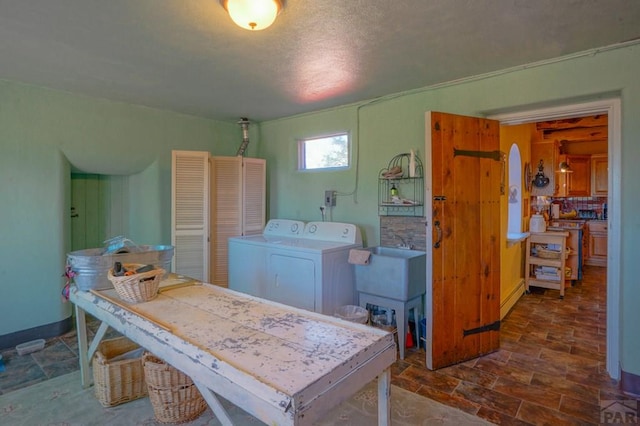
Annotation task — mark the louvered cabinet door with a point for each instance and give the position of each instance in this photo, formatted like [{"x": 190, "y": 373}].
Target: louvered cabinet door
[
  {"x": 254, "y": 195},
  {"x": 190, "y": 213},
  {"x": 226, "y": 212}
]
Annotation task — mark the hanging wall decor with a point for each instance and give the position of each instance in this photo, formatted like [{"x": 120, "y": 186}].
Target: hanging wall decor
[{"x": 540, "y": 180}]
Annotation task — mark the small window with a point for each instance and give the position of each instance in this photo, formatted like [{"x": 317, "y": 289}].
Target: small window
[{"x": 324, "y": 153}]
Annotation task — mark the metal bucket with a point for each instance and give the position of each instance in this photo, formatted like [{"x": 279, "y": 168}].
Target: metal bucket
[{"x": 91, "y": 265}]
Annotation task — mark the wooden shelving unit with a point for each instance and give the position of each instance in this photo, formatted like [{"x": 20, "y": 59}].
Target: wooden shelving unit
[{"x": 534, "y": 260}]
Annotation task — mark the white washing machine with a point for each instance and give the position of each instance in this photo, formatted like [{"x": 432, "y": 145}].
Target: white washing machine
[
  {"x": 310, "y": 272},
  {"x": 247, "y": 255}
]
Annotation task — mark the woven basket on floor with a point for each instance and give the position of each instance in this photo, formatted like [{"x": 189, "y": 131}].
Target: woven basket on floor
[
  {"x": 117, "y": 381},
  {"x": 137, "y": 288},
  {"x": 173, "y": 395}
]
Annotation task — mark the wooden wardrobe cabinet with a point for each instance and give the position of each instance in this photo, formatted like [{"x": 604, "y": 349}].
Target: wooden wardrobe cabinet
[{"x": 213, "y": 198}]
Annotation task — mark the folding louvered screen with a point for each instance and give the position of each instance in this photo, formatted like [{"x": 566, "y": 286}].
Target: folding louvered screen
[
  {"x": 237, "y": 206},
  {"x": 189, "y": 213},
  {"x": 220, "y": 197},
  {"x": 226, "y": 212},
  {"x": 254, "y": 195}
]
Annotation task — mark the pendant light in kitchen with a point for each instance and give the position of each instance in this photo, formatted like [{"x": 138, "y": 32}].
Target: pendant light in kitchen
[{"x": 565, "y": 167}]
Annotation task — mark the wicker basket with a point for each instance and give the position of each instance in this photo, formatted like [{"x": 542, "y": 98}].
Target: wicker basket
[
  {"x": 548, "y": 254},
  {"x": 116, "y": 382},
  {"x": 137, "y": 288},
  {"x": 174, "y": 396},
  {"x": 545, "y": 253}
]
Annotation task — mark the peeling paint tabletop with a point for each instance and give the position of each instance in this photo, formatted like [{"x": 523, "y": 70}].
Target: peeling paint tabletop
[{"x": 281, "y": 364}]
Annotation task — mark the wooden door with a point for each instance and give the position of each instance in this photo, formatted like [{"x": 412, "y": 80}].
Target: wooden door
[
  {"x": 465, "y": 179},
  {"x": 226, "y": 213},
  {"x": 237, "y": 206},
  {"x": 190, "y": 213},
  {"x": 88, "y": 210}
]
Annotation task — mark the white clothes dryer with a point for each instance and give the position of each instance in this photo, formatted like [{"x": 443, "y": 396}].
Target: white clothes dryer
[{"x": 310, "y": 272}]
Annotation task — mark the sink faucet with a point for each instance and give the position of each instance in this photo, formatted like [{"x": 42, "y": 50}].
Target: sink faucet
[{"x": 404, "y": 244}]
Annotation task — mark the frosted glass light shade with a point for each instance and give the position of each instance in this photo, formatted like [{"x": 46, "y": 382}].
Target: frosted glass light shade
[{"x": 253, "y": 14}]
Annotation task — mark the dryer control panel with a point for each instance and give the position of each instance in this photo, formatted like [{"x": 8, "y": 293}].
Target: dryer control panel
[
  {"x": 283, "y": 228},
  {"x": 347, "y": 233}
]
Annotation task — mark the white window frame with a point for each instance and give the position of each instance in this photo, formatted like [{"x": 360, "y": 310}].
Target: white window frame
[{"x": 302, "y": 157}]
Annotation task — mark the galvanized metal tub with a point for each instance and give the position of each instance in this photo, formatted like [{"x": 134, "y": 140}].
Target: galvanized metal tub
[{"x": 91, "y": 265}]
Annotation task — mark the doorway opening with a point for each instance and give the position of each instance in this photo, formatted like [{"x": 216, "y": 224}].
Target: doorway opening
[
  {"x": 99, "y": 209},
  {"x": 611, "y": 107}
]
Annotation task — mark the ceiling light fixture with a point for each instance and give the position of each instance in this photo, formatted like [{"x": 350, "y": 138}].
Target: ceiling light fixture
[{"x": 253, "y": 14}]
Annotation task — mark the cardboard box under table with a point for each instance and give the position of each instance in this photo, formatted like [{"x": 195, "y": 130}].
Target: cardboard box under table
[{"x": 280, "y": 364}]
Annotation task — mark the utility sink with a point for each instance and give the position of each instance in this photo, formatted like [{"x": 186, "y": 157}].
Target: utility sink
[{"x": 394, "y": 273}]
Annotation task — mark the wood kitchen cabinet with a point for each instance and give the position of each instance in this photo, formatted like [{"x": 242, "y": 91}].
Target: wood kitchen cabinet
[
  {"x": 578, "y": 182},
  {"x": 599, "y": 175},
  {"x": 597, "y": 243}
]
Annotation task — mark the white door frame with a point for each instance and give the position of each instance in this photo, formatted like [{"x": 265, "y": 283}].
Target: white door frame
[{"x": 613, "y": 108}]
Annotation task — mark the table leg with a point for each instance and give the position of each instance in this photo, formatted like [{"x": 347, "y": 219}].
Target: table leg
[
  {"x": 81, "y": 330},
  {"x": 384, "y": 398},
  {"x": 214, "y": 403}
]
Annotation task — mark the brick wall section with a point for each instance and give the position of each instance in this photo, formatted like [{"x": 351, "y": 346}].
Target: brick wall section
[{"x": 409, "y": 228}]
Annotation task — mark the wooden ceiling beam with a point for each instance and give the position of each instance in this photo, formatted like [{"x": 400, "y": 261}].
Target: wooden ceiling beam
[
  {"x": 583, "y": 134},
  {"x": 570, "y": 123}
]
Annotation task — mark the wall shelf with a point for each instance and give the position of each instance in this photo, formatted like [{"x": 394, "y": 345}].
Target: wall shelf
[{"x": 401, "y": 187}]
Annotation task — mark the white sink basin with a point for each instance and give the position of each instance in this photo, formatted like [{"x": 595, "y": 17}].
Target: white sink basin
[{"x": 394, "y": 273}]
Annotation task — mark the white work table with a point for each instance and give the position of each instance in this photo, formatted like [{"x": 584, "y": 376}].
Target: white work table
[{"x": 281, "y": 364}]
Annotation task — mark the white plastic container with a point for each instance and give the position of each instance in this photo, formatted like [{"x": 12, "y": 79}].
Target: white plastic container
[
  {"x": 537, "y": 224},
  {"x": 28, "y": 347},
  {"x": 353, "y": 313}
]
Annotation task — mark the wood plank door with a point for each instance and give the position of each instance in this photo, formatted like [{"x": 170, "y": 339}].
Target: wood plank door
[
  {"x": 89, "y": 199},
  {"x": 462, "y": 197}
]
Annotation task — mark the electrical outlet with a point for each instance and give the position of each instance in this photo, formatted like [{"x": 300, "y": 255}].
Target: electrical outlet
[{"x": 329, "y": 198}]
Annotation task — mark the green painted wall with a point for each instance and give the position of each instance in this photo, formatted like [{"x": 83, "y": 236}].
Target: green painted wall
[
  {"x": 396, "y": 124},
  {"x": 44, "y": 134}
]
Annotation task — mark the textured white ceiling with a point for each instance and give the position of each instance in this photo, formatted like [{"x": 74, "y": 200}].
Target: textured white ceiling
[{"x": 187, "y": 55}]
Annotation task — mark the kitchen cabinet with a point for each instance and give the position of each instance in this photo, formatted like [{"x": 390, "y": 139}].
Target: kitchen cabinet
[
  {"x": 599, "y": 175},
  {"x": 578, "y": 182},
  {"x": 597, "y": 243},
  {"x": 546, "y": 261}
]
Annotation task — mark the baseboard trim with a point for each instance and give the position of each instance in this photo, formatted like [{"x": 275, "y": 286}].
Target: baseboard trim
[
  {"x": 511, "y": 299},
  {"x": 41, "y": 332}
]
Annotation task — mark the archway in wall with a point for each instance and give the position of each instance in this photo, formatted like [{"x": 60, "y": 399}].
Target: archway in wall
[
  {"x": 611, "y": 107},
  {"x": 514, "y": 209},
  {"x": 98, "y": 209}
]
